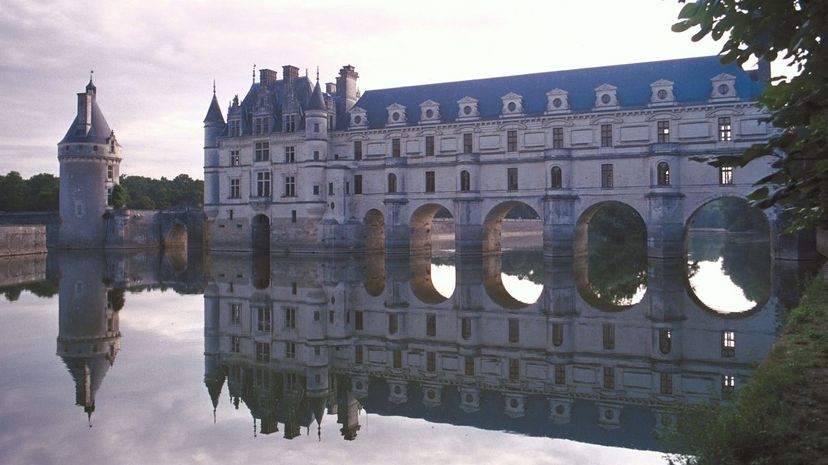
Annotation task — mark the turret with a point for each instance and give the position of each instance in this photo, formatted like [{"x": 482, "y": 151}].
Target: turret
[
  {"x": 346, "y": 86},
  {"x": 90, "y": 159},
  {"x": 213, "y": 129},
  {"x": 316, "y": 115}
]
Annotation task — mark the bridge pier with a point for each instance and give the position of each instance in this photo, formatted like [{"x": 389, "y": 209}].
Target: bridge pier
[
  {"x": 468, "y": 229},
  {"x": 665, "y": 228},
  {"x": 800, "y": 245},
  {"x": 559, "y": 225},
  {"x": 397, "y": 231}
]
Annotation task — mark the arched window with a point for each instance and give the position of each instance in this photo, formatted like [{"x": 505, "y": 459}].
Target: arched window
[
  {"x": 556, "y": 179},
  {"x": 663, "y": 174},
  {"x": 465, "y": 181},
  {"x": 392, "y": 183}
]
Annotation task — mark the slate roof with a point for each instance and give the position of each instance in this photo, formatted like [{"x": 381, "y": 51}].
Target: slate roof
[
  {"x": 690, "y": 75},
  {"x": 316, "y": 102},
  {"x": 98, "y": 133},
  {"x": 214, "y": 112}
]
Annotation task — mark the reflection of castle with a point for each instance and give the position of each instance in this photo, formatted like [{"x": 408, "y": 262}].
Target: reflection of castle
[{"x": 299, "y": 336}]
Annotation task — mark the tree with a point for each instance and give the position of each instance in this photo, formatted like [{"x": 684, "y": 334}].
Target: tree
[
  {"x": 120, "y": 196},
  {"x": 798, "y": 108}
]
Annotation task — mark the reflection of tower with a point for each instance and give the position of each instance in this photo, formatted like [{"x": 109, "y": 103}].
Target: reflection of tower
[
  {"x": 347, "y": 413},
  {"x": 213, "y": 374},
  {"x": 88, "y": 338}
]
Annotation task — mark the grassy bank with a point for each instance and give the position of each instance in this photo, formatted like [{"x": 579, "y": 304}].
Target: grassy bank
[{"x": 781, "y": 415}]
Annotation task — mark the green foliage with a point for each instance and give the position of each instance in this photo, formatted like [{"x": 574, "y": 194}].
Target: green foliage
[
  {"x": 793, "y": 30},
  {"x": 150, "y": 194},
  {"x": 617, "y": 253},
  {"x": 120, "y": 196},
  {"x": 38, "y": 193}
]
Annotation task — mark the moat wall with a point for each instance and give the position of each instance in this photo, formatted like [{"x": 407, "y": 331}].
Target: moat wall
[{"x": 22, "y": 240}]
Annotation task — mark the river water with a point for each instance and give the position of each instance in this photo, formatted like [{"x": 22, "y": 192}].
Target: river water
[{"x": 144, "y": 358}]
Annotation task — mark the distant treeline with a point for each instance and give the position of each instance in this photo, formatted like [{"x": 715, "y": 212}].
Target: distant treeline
[{"x": 40, "y": 192}]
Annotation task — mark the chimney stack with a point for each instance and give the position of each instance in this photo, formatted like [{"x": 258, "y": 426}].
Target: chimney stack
[
  {"x": 346, "y": 86},
  {"x": 290, "y": 74},
  {"x": 267, "y": 76},
  {"x": 330, "y": 88}
]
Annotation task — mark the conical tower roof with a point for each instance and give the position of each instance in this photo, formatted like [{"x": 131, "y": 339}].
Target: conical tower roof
[
  {"x": 316, "y": 102},
  {"x": 99, "y": 131},
  {"x": 214, "y": 112}
]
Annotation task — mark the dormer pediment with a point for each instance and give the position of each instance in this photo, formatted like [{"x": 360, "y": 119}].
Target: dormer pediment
[
  {"x": 512, "y": 105},
  {"x": 429, "y": 112},
  {"x": 396, "y": 114},
  {"x": 661, "y": 93},
  {"x": 557, "y": 101},
  {"x": 358, "y": 118},
  {"x": 723, "y": 87},
  {"x": 467, "y": 108},
  {"x": 606, "y": 97}
]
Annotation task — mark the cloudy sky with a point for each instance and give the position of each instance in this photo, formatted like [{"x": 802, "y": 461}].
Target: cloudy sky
[{"x": 155, "y": 62}]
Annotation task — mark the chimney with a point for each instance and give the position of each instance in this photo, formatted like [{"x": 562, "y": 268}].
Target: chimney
[
  {"x": 267, "y": 76},
  {"x": 330, "y": 88},
  {"x": 84, "y": 120},
  {"x": 290, "y": 74},
  {"x": 346, "y": 85}
]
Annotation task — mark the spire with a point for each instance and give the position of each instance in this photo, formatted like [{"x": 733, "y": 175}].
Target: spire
[
  {"x": 254, "y": 73},
  {"x": 91, "y": 87},
  {"x": 316, "y": 101},
  {"x": 214, "y": 112},
  {"x": 214, "y": 87}
]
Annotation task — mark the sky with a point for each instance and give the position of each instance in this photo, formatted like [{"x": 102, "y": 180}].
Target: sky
[{"x": 154, "y": 62}]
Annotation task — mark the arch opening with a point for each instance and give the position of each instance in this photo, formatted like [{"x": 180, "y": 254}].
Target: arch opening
[
  {"x": 514, "y": 278},
  {"x": 432, "y": 231},
  {"x": 261, "y": 234},
  {"x": 175, "y": 247},
  {"x": 512, "y": 225},
  {"x": 374, "y": 232},
  {"x": 433, "y": 279},
  {"x": 729, "y": 260},
  {"x": 611, "y": 256}
]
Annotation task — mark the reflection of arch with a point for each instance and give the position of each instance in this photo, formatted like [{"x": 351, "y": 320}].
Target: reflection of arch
[
  {"x": 493, "y": 284},
  {"x": 421, "y": 227},
  {"x": 374, "y": 274},
  {"x": 261, "y": 234},
  {"x": 688, "y": 288},
  {"x": 492, "y": 226},
  {"x": 261, "y": 271},
  {"x": 374, "y": 224},
  {"x": 581, "y": 240},
  {"x": 176, "y": 237},
  {"x": 421, "y": 282},
  {"x": 585, "y": 290}
]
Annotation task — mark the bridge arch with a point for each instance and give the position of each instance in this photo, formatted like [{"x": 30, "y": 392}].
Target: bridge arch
[
  {"x": 743, "y": 202},
  {"x": 498, "y": 291},
  {"x": 422, "y": 227},
  {"x": 581, "y": 239},
  {"x": 374, "y": 231},
  {"x": 493, "y": 224},
  {"x": 422, "y": 281}
]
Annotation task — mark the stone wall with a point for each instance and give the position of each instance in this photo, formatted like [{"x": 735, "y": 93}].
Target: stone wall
[
  {"x": 49, "y": 219},
  {"x": 22, "y": 240},
  {"x": 22, "y": 269}
]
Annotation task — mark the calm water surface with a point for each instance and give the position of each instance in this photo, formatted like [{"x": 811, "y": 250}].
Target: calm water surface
[{"x": 137, "y": 358}]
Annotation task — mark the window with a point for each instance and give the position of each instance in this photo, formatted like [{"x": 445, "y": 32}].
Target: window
[
  {"x": 235, "y": 344},
  {"x": 606, "y": 135},
  {"x": 431, "y": 324},
  {"x": 560, "y": 374},
  {"x": 557, "y": 138},
  {"x": 606, "y": 176},
  {"x": 663, "y": 174},
  {"x": 392, "y": 323},
  {"x": 429, "y": 181},
  {"x": 609, "y": 337},
  {"x": 263, "y": 184},
  {"x": 557, "y": 334},
  {"x": 263, "y": 319},
  {"x": 514, "y": 331},
  {"x": 315, "y": 127},
  {"x": 392, "y": 183},
  {"x": 290, "y": 123},
  {"x": 290, "y": 349},
  {"x": 330, "y": 188},
  {"x": 397, "y": 359},
  {"x": 235, "y": 128},
  {"x": 235, "y": 314},
  {"x": 293, "y": 288},
  {"x": 725, "y": 175},
  {"x": 429, "y": 146},
  {"x": 290, "y": 154},
  {"x": 235, "y": 159},
  {"x": 316, "y": 155},
  {"x": 555, "y": 178},
  {"x": 262, "y": 151},
  {"x": 431, "y": 362},
  {"x": 358, "y": 355},
  {"x": 666, "y": 383},
  {"x": 511, "y": 141},
  {"x": 465, "y": 181},
  {"x": 235, "y": 188},
  {"x": 514, "y": 369},
  {"x": 331, "y": 317},
  {"x": 728, "y": 385},
  {"x": 357, "y": 150},
  {"x": 358, "y": 320},
  {"x": 467, "y": 142},
  {"x": 316, "y": 189},
  {"x": 465, "y": 328},
  {"x": 609, "y": 377},
  {"x": 261, "y": 125},
  {"x": 290, "y": 318},
  {"x": 468, "y": 368},
  {"x": 357, "y": 184},
  {"x": 290, "y": 186},
  {"x": 230, "y": 213},
  {"x": 293, "y": 216},
  {"x": 665, "y": 341},
  {"x": 512, "y": 179},
  {"x": 728, "y": 343},
  {"x": 262, "y": 352},
  {"x": 663, "y": 132},
  {"x": 725, "y": 131},
  {"x": 110, "y": 172},
  {"x": 395, "y": 147}
]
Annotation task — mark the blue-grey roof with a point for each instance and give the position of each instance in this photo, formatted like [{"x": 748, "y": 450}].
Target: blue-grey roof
[
  {"x": 316, "y": 101},
  {"x": 214, "y": 112},
  {"x": 691, "y": 78},
  {"x": 99, "y": 131}
]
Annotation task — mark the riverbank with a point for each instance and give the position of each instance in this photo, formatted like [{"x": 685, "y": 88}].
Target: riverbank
[{"x": 781, "y": 415}]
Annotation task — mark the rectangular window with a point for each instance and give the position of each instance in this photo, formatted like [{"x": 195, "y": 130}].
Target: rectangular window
[
  {"x": 293, "y": 216},
  {"x": 290, "y": 186},
  {"x": 290, "y": 123},
  {"x": 358, "y": 355},
  {"x": 357, "y": 150},
  {"x": 263, "y": 319},
  {"x": 330, "y": 188},
  {"x": 235, "y": 159},
  {"x": 397, "y": 363},
  {"x": 609, "y": 377},
  {"x": 392, "y": 323},
  {"x": 728, "y": 385},
  {"x": 560, "y": 374},
  {"x": 467, "y": 142},
  {"x": 606, "y": 176},
  {"x": 429, "y": 146},
  {"x": 262, "y": 152},
  {"x": 666, "y": 384},
  {"x": 290, "y": 349},
  {"x": 512, "y": 179},
  {"x": 235, "y": 188},
  {"x": 316, "y": 155},
  {"x": 110, "y": 172},
  {"x": 728, "y": 343},
  {"x": 293, "y": 288},
  {"x": 290, "y": 154},
  {"x": 725, "y": 130},
  {"x": 465, "y": 328},
  {"x": 514, "y": 331},
  {"x": 261, "y": 125},
  {"x": 262, "y": 352},
  {"x": 557, "y": 334},
  {"x": 315, "y": 127},
  {"x": 358, "y": 323},
  {"x": 235, "y": 314},
  {"x": 235, "y": 344},
  {"x": 429, "y": 181},
  {"x": 235, "y": 128},
  {"x": 357, "y": 184},
  {"x": 514, "y": 369},
  {"x": 609, "y": 336},
  {"x": 557, "y": 138},
  {"x": 468, "y": 368},
  {"x": 431, "y": 362},
  {"x": 395, "y": 147},
  {"x": 263, "y": 184},
  {"x": 290, "y": 318},
  {"x": 511, "y": 141},
  {"x": 725, "y": 175},
  {"x": 663, "y": 132},
  {"x": 606, "y": 135},
  {"x": 431, "y": 324},
  {"x": 665, "y": 340},
  {"x": 316, "y": 189}
]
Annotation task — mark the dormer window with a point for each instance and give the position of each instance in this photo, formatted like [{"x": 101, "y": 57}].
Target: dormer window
[
  {"x": 396, "y": 114},
  {"x": 359, "y": 118},
  {"x": 557, "y": 101},
  {"x": 723, "y": 87},
  {"x": 467, "y": 109},
  {"x": 512, "y": 104},
  {"x": 661, "y": 93},
  {"x": 606, "y": 97},
  {"x": 429, "y": 112},
  {"x": 234, "y": 128},
  {"x": 290, "y": 123},
  {"x": 261, "y": 125}
]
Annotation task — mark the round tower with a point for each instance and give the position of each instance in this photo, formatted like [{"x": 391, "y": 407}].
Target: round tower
[
  {"x": 213, "y": 129},
  {"x": 90, "y": 159}
]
